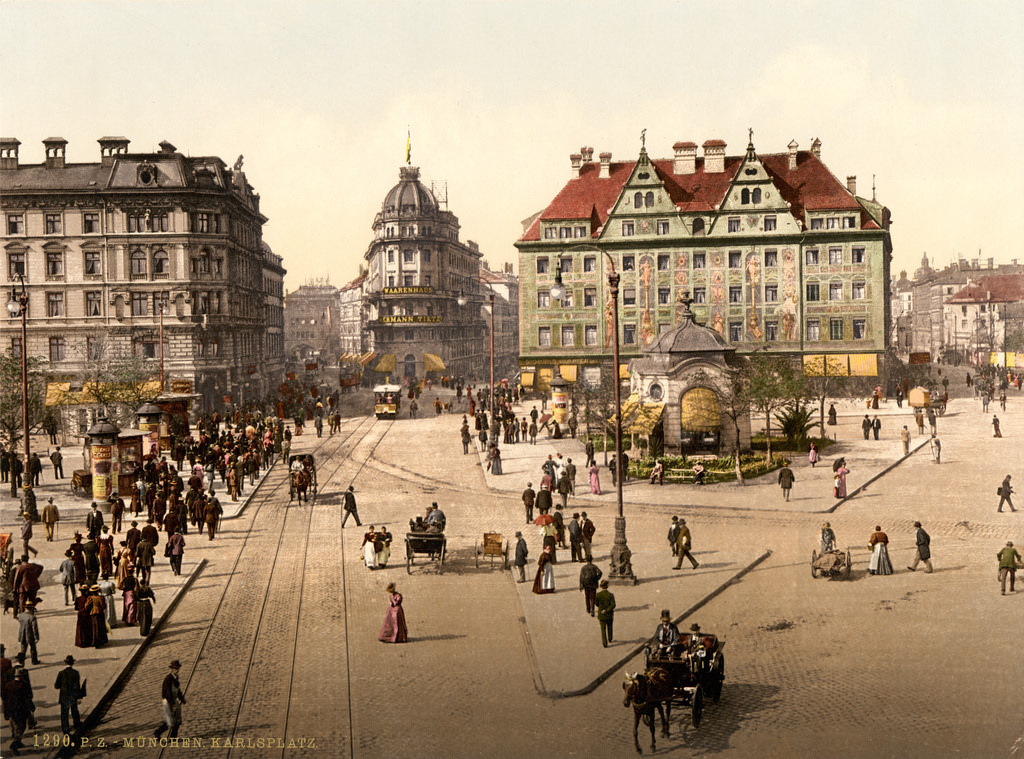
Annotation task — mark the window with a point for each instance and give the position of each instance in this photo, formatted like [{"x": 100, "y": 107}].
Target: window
[
  {"x": 628, "y": 263},
  {"x": 202, "y": 222},
  {"x": 832, "y": 222},
  {"x": 813, "y": 291},
  {"x": 857, "y": 255},
  {"x": 202, "y": 301},
  {"x": 542, "y": 265},
  {"x": 662, "y": 226},
  {"x": 140, "y": 304},
  {"x": 735, "y": 294},
  {"x": 735, "y": 331},
  {"x": 543, "y": 299},
  {"x": 628, "y": 229},
  {"x": 835, "y": 329},
  {"x": 161, "y": 264},
  {"x": 813, "y": 329},
  {"x": 391, "y": 280},
  {"x": 54, "y": 264},
  {"x": 589, "y": 263},
  {"x": 391, "y": 256},
  {"x": 568, "y": 336},
  {"x": 629, "y": 296},
  {"x": 565, "y": 264},
  {"x": 92, "y": 262},
  {"x": 15, "y": 224},
  {"x": 590, "y": 334},
  {"x": 565, "y": 232},
  {"x": 734, "y": 223},
  {"x": 857, "y": 291},
  {"x": 16, "y": 348},
  {"x": 589, "y": 297},
  {"x": 664, "y": 261},
  {"x": 629, "y": 334},
  {"x": 426, "y": 279},
  {"x": 771, "y": 293},
  {"x": 56, "y": 349},
  {"x": 145, "y": 349},
  {"x": 835, "y": 256},
  {"x": 699, "y": 260},
  {"x": 698, "y": 227},
  {"x": 567, "y": 299},
  {"x": 734, "y": 259},
  {"x": 92, "y": 303},
  {"x": 93, "y": 348},
  {"x": 638, "y": 200},
  {"x": 850, "y": 222},
  {"x": 817, "y": 224},
  {"x": 90, "y": 223},
  {"x": 755, "y": 196},
  {"x": 745, "y": 196},
  {"x": 15, "y": 264},
  {"x": 859, "y": 329},
  {"x": 426, "y": 256},
  {"x": 812, "y": 257},
  {"x": 649, "y": 199},
  {"x": 53, "y": 225},
  {"x": 771, "y": 331},
  {"x": 407, "y": 280},
  {"x": 138, "y": 264},
  {"x": 835, "y": 290},
  {"x": 550, "y": 233},
  {"x": 55, "y": 304},
  {"x": 771, "y": 258},
  {"x": 769, "y": 223},
  {"x": 579, "y": 232},
  {"x": 700, "y": 295},
  {"x": 407, "y": 257},
  {"x": 544, "y": 337},
  {"x": 664, "y": 296}
]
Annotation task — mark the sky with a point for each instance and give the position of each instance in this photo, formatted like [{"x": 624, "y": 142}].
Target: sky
[{"x": 920, "y": 97}]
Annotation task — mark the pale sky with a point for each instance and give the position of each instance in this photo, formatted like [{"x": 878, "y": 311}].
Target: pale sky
[{"x": 926, "y": 96}]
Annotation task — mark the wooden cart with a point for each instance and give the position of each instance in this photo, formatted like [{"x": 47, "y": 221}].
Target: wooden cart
[{"x": 494, "y": 547}]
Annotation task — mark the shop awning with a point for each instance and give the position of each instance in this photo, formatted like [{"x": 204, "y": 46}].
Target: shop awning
[
  {"x": 61, "y": 394},
  {"x": 386, "y": 364},
  {"x": 432, "y": 363},
  {"x": 568, "y": 372},
  {"x": 623, "y": 371},
  {"x": 526, "y": 378},
  {"x": 367, "y": 357},
  {"x": 645, "y": 420}
]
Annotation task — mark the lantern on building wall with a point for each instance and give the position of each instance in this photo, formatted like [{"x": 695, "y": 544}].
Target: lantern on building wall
[{"x": 105, "y": 465}]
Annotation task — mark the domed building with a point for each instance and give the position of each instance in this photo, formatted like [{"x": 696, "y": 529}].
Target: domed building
[{"x": 423, "y": 299}]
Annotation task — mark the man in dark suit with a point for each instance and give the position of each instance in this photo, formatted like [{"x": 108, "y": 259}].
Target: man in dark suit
[
  {"x": 587, "y": 529},
  {"x": 604, "y": 601},
  {"x": 70, "y": 690}
]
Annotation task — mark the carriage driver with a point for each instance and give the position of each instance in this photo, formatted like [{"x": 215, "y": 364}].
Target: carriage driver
[{"x": 666, "y": 636}]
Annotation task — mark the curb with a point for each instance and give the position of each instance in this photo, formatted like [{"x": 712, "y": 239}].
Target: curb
[
  {"x": 862, "y": 487},
  {"x": 92, "y": 719},
  {"x": 601, "y": 678}
]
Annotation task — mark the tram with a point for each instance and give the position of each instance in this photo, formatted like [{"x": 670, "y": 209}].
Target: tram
[{"x": 387, "y": 399}]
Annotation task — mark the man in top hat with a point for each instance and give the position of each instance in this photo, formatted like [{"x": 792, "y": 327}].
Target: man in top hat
[
  {"x": 70, "y": 689},
  {"x": 350, "y": 507},
  {"x": 666, "y": 635},
  {"x": 51, "y": 515},
  {"x": 173, "y": 698}
]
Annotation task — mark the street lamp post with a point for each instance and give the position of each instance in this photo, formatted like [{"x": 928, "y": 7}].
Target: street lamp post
[
  {"x": 162, "y": 308},
  {"x": 18, "y": 304},
  {"x": 492, "y": 357}
]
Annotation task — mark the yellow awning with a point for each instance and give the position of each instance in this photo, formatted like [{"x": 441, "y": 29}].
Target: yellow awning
[
  {"x": 367, "y": 357},
  {"x": 61, "y": 394},
  {"x": 1012, "y": 358},
  {"x": 386, "y": 363},
  {"x": 863, "y": 365},
  {"x": 698, "y": 410},
  {"x": 629, "y": 408},
  {"x": 432, "y": 363},
  {"x": 568, "y": 372},
  {"x": 645, "y": 420},
  {"x": 623, "y": 371},
  {"x": 58, "y": 393},
  {"x": 526, "y": 379}
]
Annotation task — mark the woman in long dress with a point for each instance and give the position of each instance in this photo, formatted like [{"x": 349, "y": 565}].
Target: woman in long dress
[
  {"x": 384, "y": 540},
  {"x": 129, "y": 610},
  {"x": 370, "y": 548},
  {"x": 595, "y": 479},
  {"x": 496, "y": 461},
  {"x": 544, "y": 582},
  {"x": 394, "y": 629},
  {"x": 839, "y": 485},
  {"x": 812, "y": 455},
  {"x": 879, "y": 543},
  {"x": 125, "y": 566}
]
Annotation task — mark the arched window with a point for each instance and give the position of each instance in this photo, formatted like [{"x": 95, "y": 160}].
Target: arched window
[
  {"x": 649, "y": 199},
  {"x": 698, "y": 226},
  {"x": 700, "y": 419},
  {"x": 745, "y": 196},
  {"x": 638, "y": 200},
  {"x": 161, "y": 264},
  {"x": 139, "y": 263},
  {"x": 756, "y": 195}
]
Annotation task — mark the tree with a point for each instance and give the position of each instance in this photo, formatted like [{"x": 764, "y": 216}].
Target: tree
[
  {"x": 770, "y": 382},
  {"x": 11, "y": 422},
  {"x": 734, "y": 402},
  {"x": 821, "y": 375}
]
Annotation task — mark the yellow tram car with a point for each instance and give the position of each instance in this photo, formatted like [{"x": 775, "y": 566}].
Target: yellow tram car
[{"x": 387, "y": 400}]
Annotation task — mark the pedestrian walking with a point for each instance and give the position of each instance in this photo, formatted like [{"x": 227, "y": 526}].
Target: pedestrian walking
[
  {"x": 595, "y": 479},
  {"x": 936, "y": 450},
  {"x": 18, "y": 706},
  {"x": 995, "y": 426},
  {"x": 590, "y": 575},
  {"x": 522, "y": 552},
  {"x": 832, "y": 415},
  {"x": 786, "y": 479},
  {"x": 57, "y": 459},
  {"x": 116, "y": 512},
  {"x": 174, "y": 549},
  {"x": 529, "y": 498},
  {"x": 879, "y": 563},
  {"x": 587, "y": 529},
  {"x": 919, "y": 418},
  {"x": 211, "y": 515},
  {"x": 394, "y": 629},
  {"x": 839, "y": 482},
  {"x": 107, "y": 588},
  {"x": 575, "y": 538},
  {"x": 544, "y": 582},
  {"x": 144, "y": 553},
  {"x": 94, "y": 521},
  {"x": 673, "y": 535},
  {"x": 51, "y": 515},
  {"x": 1009, "y": 559},
  {"x": 26, "y": 536},
  {"x": 683, "y": 544},
  {"x": 931, "y": 420},
  {"x": 876, "y": 426},
  {"x": 369, "y": 548},
  {"x": 905, "y": 439},
  {"x": 28, "y": 631},
  {"x": 67, "y": 578},
  {"x": 604, "y": 602},
  {"x": 1004, "y": 492},
  {"x": 70, "y": 690},
  {"x": 588, "y": 449},
  {"x": 350, "y": 507},
  {"x": 144, "y": 600},
  {"x": 812, "y": 455},
  {"x": 172, "y": 699},
  {"x": 865, "y": 426},
  {"x": 466, "y": 437},
  {"x": 924, "y": 550}
]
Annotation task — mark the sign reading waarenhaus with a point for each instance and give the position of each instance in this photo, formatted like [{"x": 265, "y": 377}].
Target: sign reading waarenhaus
[{"x": 418, "y": 290}]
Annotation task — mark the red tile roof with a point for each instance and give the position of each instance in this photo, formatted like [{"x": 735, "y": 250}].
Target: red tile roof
[
  {"x": 998, "y": 288},
  {"x": 810, "y": 186}
]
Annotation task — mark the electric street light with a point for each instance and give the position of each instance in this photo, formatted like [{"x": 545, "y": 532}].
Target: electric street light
[{"x": 18, "y": 304}]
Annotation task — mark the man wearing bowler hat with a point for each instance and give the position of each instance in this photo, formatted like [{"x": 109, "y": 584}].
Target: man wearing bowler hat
[
  {"x": 173, "y": 698},
  {"x": 70, "y": 688},
  {"x": 350, "y": 507}
]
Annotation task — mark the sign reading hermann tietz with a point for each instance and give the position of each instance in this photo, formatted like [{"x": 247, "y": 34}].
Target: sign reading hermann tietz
[
  {"x": 412, "y": 319},
  {"x": 420, "y": 290}
]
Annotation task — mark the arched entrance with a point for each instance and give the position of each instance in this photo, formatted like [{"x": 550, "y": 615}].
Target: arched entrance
[
  {"x": 700, "y": 421},
  {"x": 410, "y": 365}
]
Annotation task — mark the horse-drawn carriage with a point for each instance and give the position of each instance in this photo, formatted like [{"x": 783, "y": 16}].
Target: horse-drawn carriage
[
  {"x": 833, "y": 563},
  {"x": 683, "y": 674},
  {"x": 431, "y": 544},
  {"x": 301, "y": 477}
]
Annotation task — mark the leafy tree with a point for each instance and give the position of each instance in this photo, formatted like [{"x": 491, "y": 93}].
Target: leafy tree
[
  {"x": 770, "y": 381},
  {"x": 821, "y": 376},
  {"x": 11, "y": 423},
  {"x": 795, "y": 420}
]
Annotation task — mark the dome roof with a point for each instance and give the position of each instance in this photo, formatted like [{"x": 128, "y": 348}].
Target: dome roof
[
  {"x": 409, "y": 196},
  {"x": 689, "y": 337}
]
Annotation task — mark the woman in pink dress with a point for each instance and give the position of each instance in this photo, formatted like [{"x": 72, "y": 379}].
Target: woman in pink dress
[
  {"x": 812, "y": 455},
  {"x": 394, "y": 629},
  {"x": 595, "y": 479},
  {"x": 839, "y": 486}
]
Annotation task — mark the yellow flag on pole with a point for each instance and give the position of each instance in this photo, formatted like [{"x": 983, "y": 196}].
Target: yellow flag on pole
[{"x": 408, "y": 147}]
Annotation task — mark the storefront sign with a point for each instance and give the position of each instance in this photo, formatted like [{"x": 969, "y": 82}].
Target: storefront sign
[
  {"x": 414, "y": 319},
  {"x": 419, "y": 290}
]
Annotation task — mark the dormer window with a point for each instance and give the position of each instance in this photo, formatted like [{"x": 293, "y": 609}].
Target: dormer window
[
  {"x": 146, "y": 174},
  {"x": 649, "y": 199}
]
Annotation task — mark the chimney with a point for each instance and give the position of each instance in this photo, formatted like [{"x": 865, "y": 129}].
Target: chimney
[
  {"x": 851, "y": 184},
  {"x": 990, "y": 262},
  {"x": 55, "y": 147},
  {"x": 575, "y": 160},
  {"x": 166, "y": 147},
  {"x": 714, "y": 156},
  {"x": 110, "y": 147},
  {"x": 9, "y": 152},
  {"x": 588, "y": 154},
  {"x": 793, "y": 145},
  {"x": 816, "y": 148},
  {"x": 606, "y": 166},
  {"x": 685, "y": 158}
]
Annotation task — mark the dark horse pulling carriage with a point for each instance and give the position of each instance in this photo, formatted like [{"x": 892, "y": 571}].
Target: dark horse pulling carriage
[
  {"x": 683, "y": 674},
  {"x": 301, "y": 479}
]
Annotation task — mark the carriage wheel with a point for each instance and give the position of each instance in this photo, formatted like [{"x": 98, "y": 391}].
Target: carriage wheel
[
  {"x": 440, "y": 562},
  {"x": 478, "y": 556},
  {"x": 504, "y": 564},
  {"x": 698, "y": 706},
  {"x": 814, "y": 558},
  {"x": 716, "y": 686},
  {"x": 849, "y": 565},
  {"x": 408, "y": 558}
]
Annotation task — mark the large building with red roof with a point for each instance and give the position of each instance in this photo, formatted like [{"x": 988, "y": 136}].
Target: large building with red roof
[{"x": 773, "y": 250}]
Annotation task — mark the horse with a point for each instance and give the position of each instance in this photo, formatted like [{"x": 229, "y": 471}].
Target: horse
[
  {"x": 300, "y": 484},
  {"x": 645, "y": 693}
]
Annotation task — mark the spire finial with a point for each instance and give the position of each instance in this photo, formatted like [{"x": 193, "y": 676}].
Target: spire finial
[
  {"x": 750, "y": 135},
  {"x": 643, "y": 139}
]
